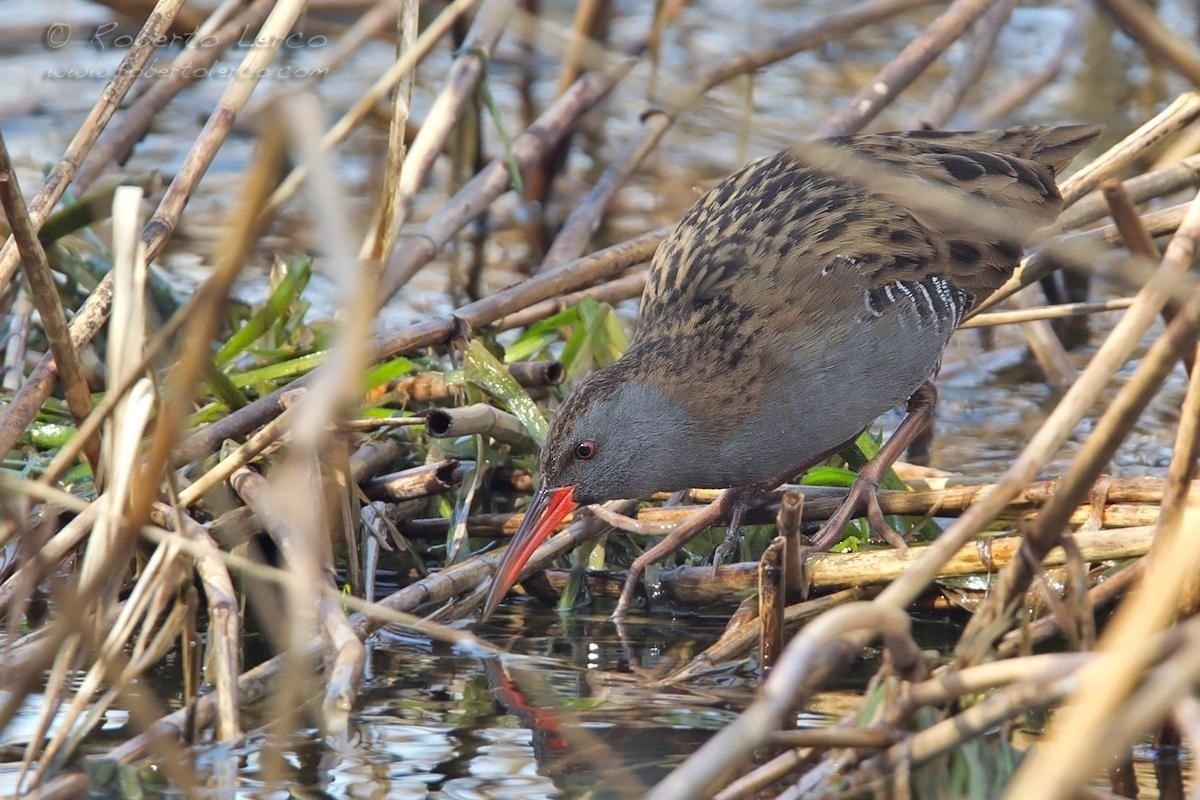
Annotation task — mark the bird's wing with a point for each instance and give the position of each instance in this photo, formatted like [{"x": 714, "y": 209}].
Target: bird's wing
[{"x": 923, "y": 218}]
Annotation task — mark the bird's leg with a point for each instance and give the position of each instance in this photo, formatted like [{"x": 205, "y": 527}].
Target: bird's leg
[
  {"x": 687, "y": 530},
  {"x": 918, "y": 418},
  {"x": 733, "y": 537}
]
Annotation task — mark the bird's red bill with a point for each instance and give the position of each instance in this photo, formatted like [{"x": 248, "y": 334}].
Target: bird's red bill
[{"x": 547, "y": 509}]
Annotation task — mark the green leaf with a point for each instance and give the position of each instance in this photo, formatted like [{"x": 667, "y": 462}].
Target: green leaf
[
  {"x": 386, "y": 372},
  {"x": 485, "y": 371},
  {"x": 295, "y": 277},
  {"x": 278, "y": 372},
  {"x": 828, "y": 476}
]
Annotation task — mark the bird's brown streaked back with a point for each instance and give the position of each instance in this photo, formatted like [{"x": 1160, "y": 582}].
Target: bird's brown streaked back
[{"x": 784, "y": 243}]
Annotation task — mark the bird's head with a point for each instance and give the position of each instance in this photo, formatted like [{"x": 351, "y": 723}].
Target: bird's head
[{"x": 615, "y": 436}]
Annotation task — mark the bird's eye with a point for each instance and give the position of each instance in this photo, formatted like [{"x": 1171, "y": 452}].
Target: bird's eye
[{"x": 585, "y": 449}]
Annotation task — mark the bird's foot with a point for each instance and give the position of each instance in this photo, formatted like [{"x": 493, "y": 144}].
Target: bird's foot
[
  {"x": 687, "y": 530},
  {"x": 864, "y": 493}
]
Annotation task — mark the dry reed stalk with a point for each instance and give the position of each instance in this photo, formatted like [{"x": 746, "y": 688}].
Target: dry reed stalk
[
  {"x": 294, "y": 529},
  {"x": 241, "y": 455},
  {"x": 15, "y": 338},
  {"x": 381, "y": 233},
  {"x": 908, "y": 64},
  {"x": 1125, "y": 216},
  {"x": 92, "y": 315},
  {"x": 709, "y": 768},
  {"x": 1001, "y": 106},
  {"x": 612, "y": 292},
  {"x": 191, "y": 65},
  {"x": 1175, "y": 177},
  {"x": 1044, "y": 345},
  {"x": 479, "y": 418},
  {"x": 585, "y": 219},
  {"x": 1159, "y": 41},
  {"x": 42, "y": 289},
  {"x": 489, "y": 183},
  {"x": 948, "y": 96},
  {"x": 223, "y": 635},
  {"x": 1179, "y": 114},
  {"x": 1110, "y": 431},
  {"x": 1137, "y": 239},
  {"x": 437, "y": 330},
  {"x": 687, "y": 585},
  {"x": 1061, "y": 311},
  {"x": 772, "y": 598},
  {"x": 338, "y": 132},
  {"x": 409, "y": 484},
  {"x": 107, "y": 102},
  {"x": 1179, "y": 492}
]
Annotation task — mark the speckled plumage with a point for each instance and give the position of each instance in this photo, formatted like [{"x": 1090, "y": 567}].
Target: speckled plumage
[
  {"x": 794, "y": 303},
  {"x": 788, "y": 279}
]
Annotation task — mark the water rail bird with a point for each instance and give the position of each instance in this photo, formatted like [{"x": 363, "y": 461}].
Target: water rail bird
[{"x": 798, "y": 300}]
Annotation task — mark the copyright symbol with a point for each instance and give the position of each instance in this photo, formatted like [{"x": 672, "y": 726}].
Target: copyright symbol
[{"x": 56, "y": 36}]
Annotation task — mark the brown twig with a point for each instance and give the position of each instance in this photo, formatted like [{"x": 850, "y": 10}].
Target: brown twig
[
  {"x": 1178, "y": 339},
  {"x": 979, "y": 46},
  {"x": 772, "y": 591},
  {"x": 45, "y": 297},
  {"x": 422, "y": 481},
  {"x": 905, "y": 67},
  {"x": 107, "y": 103},
  {"x": 1159, "y": 41}
]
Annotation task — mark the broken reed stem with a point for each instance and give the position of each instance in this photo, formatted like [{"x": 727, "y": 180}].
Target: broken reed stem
[
  {"x": 45, "y": 296},
  {"x": 480, "y": 418},
  {"x": 410, "y": 484},
  {"x": 108, "y": 101},
  {"x": 772, "y": 598},
  {"x": 918, "y": 54}
]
